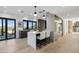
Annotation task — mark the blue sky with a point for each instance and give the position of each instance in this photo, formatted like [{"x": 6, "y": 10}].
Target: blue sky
[{"x": 10, "y": 23}]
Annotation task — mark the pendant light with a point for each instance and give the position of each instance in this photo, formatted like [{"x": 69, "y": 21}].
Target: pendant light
[
  {"x": 35, "y": 13},
  {"x": 44, "y": 14}
]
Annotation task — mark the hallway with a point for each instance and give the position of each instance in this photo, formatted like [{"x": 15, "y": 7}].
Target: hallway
[{"x": 67, "y": 44}]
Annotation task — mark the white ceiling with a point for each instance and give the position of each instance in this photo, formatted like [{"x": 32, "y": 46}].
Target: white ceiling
[{"x": 64, "y": 12}]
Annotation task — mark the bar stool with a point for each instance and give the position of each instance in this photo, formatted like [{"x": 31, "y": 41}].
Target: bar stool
[
  {"x": 48, "y": 36},
  {"x": 41, "y": 38}
]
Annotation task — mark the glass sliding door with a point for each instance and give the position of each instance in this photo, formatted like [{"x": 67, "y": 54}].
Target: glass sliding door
[
  {"x": 7, "y": 28},
  {"x": 2, "y": 29},
  {"x": 11, "y": 28}
]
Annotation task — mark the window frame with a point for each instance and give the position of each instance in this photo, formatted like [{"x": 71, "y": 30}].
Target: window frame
[{"x": 27, "y": 25}]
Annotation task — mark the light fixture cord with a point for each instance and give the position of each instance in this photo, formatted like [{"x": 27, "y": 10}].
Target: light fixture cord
[
  {"x": 43, "y": 12},
  {"x": 35, "y": 8}
]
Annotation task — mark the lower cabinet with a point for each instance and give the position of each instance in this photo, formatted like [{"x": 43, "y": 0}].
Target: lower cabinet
[{"x": 23, "y": 34}]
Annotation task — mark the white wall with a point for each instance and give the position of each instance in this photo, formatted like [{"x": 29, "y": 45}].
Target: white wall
[
  {"x": 65, "y": 26},
  {"x": 51, "y": 26},
  {"x": 50, "y": 22}
]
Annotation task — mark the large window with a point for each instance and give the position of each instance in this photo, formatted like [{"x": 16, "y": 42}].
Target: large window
[{"x": 29, "y": 25}]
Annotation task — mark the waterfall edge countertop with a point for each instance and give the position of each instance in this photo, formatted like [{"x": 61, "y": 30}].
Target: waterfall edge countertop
[
  {"x": 31, "y": 38},
  {"x": 33, "y": 35}
]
